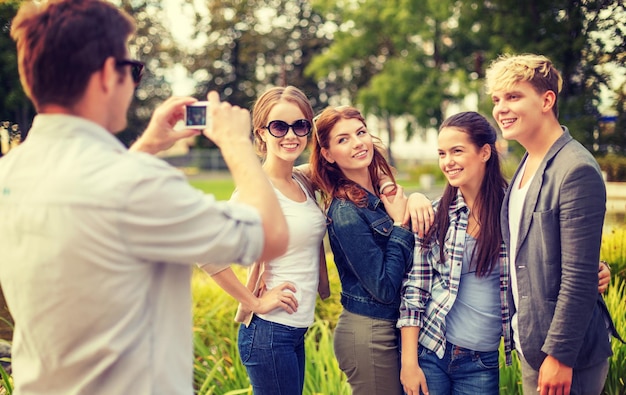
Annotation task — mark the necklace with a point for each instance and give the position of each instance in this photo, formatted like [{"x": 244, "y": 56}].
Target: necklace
[{"x": 473, "y": 225}]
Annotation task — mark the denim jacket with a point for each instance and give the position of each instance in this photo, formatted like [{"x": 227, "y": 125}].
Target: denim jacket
[{"x": 371, "y": 256}]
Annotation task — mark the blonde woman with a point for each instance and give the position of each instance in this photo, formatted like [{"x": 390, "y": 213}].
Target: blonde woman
[{"x": 277, "y": 305}]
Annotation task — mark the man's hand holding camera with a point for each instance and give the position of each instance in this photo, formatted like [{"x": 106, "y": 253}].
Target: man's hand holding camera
[
  {"x": 230, "y": 125},
  {"x": 226, "y": 125},
  {"x": 160, "y": 134}
]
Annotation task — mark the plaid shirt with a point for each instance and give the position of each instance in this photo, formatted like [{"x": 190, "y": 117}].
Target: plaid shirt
[{"x": 430, "y": 288}]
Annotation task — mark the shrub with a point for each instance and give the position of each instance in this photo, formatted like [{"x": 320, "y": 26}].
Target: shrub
[
  {"x": 510, "y": 376},
  {"x": 328, "y": 310},
  {"x": 415, "y": 172},
  {"x": 613, "y": 250},
  {"x": 616, "y": 302},
  {"x": 614, "y": 166},
  {"x": 322, "y": 375},
  {"x": 217, "y": 368}
]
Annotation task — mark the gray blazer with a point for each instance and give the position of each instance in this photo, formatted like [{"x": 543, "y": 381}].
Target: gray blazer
[{"x": 560, "y": 311}]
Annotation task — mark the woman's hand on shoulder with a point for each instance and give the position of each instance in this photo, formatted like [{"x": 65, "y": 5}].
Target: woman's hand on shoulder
[
  {"x": 395, "y": 205},
  {"x": 420, "y": 211}
]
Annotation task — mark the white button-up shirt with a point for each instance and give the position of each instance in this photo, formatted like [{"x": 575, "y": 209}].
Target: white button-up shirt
[{"x": 96, "y": 250}]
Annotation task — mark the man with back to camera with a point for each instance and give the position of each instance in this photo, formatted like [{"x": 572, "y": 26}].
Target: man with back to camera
[
  {"x": 552, "y": 218},
  {"x": 97, "y": 241}
]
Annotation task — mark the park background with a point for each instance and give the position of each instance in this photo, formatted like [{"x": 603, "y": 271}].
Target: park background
[{"x": 407, "y": 64}]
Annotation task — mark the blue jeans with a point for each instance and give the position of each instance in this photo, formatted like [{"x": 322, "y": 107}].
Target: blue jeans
[
  {"x": 273, "y": 355},
  {"x": 460, "y": 371}
]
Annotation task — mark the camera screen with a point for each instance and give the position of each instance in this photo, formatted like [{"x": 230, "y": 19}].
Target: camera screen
[{"x": 196, "y": 116}]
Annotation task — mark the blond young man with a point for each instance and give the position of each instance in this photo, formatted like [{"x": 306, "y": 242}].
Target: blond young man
[
  {"x": 98, "y": 241},
  {"x": 552, "y": 218}
]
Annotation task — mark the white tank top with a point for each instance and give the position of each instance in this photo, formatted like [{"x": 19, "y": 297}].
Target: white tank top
[{"x": 300, "y": 264}]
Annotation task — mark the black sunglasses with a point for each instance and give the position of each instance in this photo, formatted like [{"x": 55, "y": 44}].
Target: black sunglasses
[
  {"x": 136, "y": 68},
  {"x": 301, "y": 128}
]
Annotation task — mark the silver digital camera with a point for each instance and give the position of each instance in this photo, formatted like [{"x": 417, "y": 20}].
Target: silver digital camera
[{"x": 197, "y": 115}]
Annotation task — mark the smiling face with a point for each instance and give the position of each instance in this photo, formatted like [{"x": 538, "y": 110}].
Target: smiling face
[
  {"x": 289, "y": 147},
  {"x": 520, "y": 110},
  {"x": 350, "y": 146},
  {"x": 460, "y": 160}
]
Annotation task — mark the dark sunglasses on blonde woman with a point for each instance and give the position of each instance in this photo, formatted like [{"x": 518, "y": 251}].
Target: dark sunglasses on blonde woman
[{"x": 301, "y": 128}]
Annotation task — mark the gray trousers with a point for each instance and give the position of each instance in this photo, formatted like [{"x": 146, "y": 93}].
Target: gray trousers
[
  {"x": 588, "y": 381},
  {"x": 367, "y": 352}
]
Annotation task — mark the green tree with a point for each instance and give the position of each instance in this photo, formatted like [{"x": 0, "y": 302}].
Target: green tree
[
  {"x": 253, "y": 44},
  {"x": 615, "y": 137},
  {"x": 152, "y": 44},
  {"x": 393, "y": 58},
  {"x": 408, "y": 58},
  {"x": 579, "y": 36},
  {"x": 15, "y": 107}
]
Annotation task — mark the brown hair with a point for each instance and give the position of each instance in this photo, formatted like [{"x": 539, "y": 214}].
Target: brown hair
[
  {"x": 488, "y": 202},
  {"x": 328, "y": 177},
  {"x": 537, "y": 70},
  {"x": 61, "y": 43}
]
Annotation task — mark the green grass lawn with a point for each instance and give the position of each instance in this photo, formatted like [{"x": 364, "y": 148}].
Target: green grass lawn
[{"x": 220, "y": 188}]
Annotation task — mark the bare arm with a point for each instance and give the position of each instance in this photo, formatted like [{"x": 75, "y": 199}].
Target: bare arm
[
  {"x": 279, "y": 297},
  {"x": 305, "y": 169},
  {"x": 411, "y": 375},
  {"x": 420, "y": 210}
]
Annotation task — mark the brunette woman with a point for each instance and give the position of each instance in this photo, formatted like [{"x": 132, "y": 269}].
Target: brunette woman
[{"x": 372, "y": 249}]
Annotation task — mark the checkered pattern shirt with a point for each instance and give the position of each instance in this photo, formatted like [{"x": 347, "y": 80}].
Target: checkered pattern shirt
[{"x": 430, "y": 288}]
